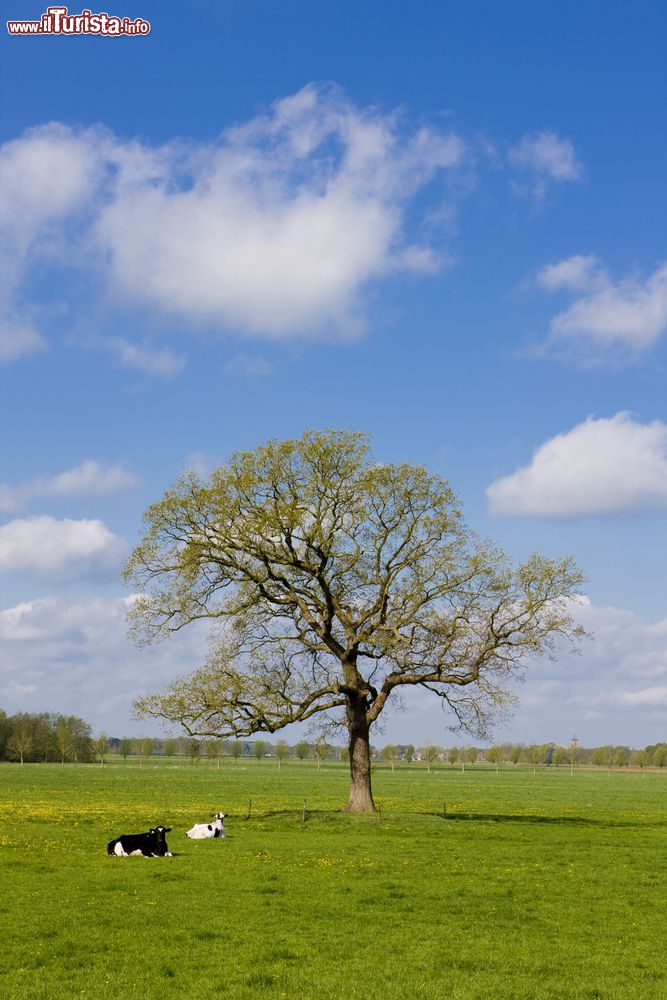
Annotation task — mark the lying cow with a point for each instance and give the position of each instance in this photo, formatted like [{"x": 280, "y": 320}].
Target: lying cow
[
  {"x": 202, "y": 830},
  {"x": 148, "y": 845}
]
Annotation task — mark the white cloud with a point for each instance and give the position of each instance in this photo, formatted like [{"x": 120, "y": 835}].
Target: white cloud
[
  {"x": 17, "y": 339},
  {"x": 545, "y": 156},
  {"x": 47, "y": 178},
  {"x": 279, "y": 226},
  {"x": 160, "y": 361},
  {"x": 601, "y": 466},
  {"x": 251, "y": 365},
  {"x": 275, "y": 230},
  {"x": 605, "y": 694},
  {"x": 630, "y": 314},
  {"x": 73, "y": 655},
  {"x": 575, "y": 274},
  {"x": 87, "y": 479},
  {"x": 651, "y": 696},
  {"x": 60, "y": 549},
  {"x": 90, "y": 479},
  {"x": 44, "y": 175}
]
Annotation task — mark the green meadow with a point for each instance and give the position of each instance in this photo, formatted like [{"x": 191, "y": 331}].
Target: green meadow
[{"x": 477, "y": 885}]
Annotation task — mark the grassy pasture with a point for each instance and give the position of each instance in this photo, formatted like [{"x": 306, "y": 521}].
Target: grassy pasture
[{"x": 546, "y": 886}]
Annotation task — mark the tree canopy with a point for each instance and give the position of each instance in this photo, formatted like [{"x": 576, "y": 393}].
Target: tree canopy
[{"x": 332, "y": 582}]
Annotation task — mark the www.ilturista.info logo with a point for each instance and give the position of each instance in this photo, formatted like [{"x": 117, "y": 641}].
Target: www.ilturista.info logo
[{"x": 57, "y": 21}]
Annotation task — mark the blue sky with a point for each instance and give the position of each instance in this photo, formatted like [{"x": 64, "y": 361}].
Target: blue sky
[{"x": 443, "y": 225}]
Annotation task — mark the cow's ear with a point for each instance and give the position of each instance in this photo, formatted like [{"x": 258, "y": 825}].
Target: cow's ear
[{"x": 167, "y": 829}]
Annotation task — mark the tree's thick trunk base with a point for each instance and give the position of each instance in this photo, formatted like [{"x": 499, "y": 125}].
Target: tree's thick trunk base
[
  {"x": 360, "y": 801},
  {"x": 361, "y": 795}
]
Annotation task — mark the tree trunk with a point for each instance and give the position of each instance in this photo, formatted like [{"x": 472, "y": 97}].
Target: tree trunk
[{"x": 361, "y": 796}]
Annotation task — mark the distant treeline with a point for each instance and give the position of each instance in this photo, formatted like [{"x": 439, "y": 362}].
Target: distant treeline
[
  {"x": 48, "y": 737},
  {"x": 45, "y": 737},
  {"x": 541, "y": 754}
]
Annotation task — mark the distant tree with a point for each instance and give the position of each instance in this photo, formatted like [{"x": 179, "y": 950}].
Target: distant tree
[
  {"x": 640, "y": 759},
  {"x": 604, "y": 757},
  {"x": 494, "y": 755},
  {"x": 19, "y": 744},
  {"x": 36, "y": 728},
  {"x": 344, "y": 754},
  {"x": 214, "y": 750},
  {"x": 659, "y": 755},
  {"x": 516, "y": 754},
  {"x": 302, "y": 749},
  {"x": 321, "y": 750},
  {"x": 63, "y": 740},
  {"x": 390, "y": 753},
  {"x": 559, "y": 756},
  {"x": 574, "y": 753},
  {"x": 169, "y": 748},
  {"x": 471, "y": 755},
  {"x": 538, "y": 755},
  {"x": 453, "y": 755},
  {"x": 430, "y": 754},
  {"x": 145, "y": 748},
  {"x": 259, "y": 749},
  {"x": 41, "y": 731},
  {"x": 236, "y": 749},
  {"x": 82, "y": 739},
  {"x": 102, "y": 748},
  {"x": 409, "y": 753},
  {"x": 621, "y": 757},
  {"x": 126, "y": 747},
  {"x": 282, "y": 751},
  {"x": 194, "y": 751}
]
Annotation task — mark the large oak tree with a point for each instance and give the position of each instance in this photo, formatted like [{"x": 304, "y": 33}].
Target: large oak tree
[{"x": 334, "y": 582}]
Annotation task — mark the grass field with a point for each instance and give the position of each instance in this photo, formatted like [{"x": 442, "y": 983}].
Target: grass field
[{"x": 545, "y": 886}]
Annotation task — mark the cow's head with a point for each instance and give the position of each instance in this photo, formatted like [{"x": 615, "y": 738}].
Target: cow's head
[{"x": 220, "y": 816}]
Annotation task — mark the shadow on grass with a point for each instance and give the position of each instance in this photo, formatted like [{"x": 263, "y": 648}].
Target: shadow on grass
[
  {"x": 298, "y": 814},
  {"x": 382, "y": 816},
  {"x": 537, "y": 820}
]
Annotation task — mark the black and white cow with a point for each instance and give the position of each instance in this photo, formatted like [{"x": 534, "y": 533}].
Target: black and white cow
[
  {"x": 202, "y": 830},
  {"x": 148, "y": 845}
]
